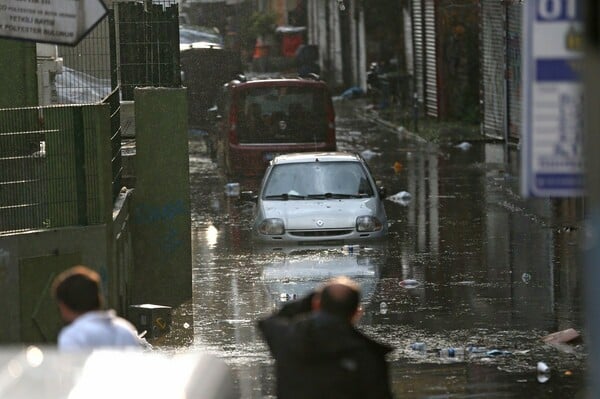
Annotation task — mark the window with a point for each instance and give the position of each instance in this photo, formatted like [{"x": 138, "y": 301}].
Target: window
[{"x": 282, "y": 115}]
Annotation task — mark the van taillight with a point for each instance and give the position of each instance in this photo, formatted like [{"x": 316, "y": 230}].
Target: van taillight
[{"x": 233, "y": 116}]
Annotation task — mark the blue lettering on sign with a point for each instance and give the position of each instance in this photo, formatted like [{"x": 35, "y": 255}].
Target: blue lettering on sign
[
  {"x": 558, "y": 70},
  {"x": 572, "y": 181},
  {"x": 558, "y": 10}
]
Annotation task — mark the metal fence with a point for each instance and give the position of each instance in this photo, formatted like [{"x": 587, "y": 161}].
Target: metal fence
[
  {"x": 136, "y": 45},
  {"x": 148, "y": 51},
  {"x": 49, "y": 155},
  {"x": 87, "y": 75},
  {"x": 49, "y": 168}
]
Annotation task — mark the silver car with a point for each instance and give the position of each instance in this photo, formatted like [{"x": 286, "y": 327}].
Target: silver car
[{"x": 319, "y": 198}]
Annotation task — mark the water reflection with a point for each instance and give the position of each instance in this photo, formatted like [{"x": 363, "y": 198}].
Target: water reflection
[{"x": 295, "y": 271}]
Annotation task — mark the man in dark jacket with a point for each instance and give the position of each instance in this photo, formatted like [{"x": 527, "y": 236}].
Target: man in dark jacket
[{"x": 318, "y": 352}]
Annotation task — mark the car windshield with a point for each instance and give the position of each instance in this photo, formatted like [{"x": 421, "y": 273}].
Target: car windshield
[
  {"x": 317, "y": 180},
  {"x": 189, "y": 36},
  {"x": 282, "y": 115}
]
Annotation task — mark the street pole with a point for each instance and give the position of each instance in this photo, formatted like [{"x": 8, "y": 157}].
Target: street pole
[{"x": 592, "y": 139}]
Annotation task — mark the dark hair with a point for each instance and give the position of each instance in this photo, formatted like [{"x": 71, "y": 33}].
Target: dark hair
[
  {"x": 79, "y": 288},
  {"x": 340, "y": 296}
]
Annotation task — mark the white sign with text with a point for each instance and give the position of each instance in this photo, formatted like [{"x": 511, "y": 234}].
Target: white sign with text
[
  {"x": 50, "y": 21},
  {"x": 552, "y": 129}
]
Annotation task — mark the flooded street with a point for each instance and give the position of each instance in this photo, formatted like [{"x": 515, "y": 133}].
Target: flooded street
[{"x": 468, "y": 265}]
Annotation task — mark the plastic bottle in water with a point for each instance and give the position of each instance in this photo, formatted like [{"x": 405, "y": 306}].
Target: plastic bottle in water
[
  {"x": 419, "y": 346},
  {"x": 232, "y": 189},
  {"x": 452, "y": 353},
  {"x": 350, "y": 248},
  {"x": 383, "y": 308}
]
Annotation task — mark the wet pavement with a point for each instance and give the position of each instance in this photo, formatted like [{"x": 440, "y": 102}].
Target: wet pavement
[{"x": 468, "y": 265}]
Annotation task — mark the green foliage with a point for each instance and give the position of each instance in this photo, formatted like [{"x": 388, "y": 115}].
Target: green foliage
[{"x": 259, "y": 24}]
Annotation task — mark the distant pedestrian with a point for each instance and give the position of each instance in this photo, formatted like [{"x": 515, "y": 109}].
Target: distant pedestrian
[
  {"x": 78, "y": 293},
  {"x": 319, "y": 353}
]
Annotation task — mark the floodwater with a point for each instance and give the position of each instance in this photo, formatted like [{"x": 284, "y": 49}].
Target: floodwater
[{"x": 491, "y": 274}]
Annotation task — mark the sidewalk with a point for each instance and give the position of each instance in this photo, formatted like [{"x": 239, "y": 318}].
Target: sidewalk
[{"x": 422, "y": 127}]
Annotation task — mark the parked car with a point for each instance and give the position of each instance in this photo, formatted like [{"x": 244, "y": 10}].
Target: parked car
[
  {"x": 325, "y": 198},
  {"x": 255, "y": 120},
  {"x": 193, "y": 36}
]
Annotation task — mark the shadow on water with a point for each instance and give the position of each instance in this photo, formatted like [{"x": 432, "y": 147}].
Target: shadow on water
[{"x": 487, "y": 270}]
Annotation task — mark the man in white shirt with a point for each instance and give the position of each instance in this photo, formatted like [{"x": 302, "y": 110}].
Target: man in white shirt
[{"x": 80, "y": 302}]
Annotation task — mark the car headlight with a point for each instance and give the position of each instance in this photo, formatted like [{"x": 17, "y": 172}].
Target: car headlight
[
  {"x": 271, "y": 227},
  {"x": 368, "y": 223}
]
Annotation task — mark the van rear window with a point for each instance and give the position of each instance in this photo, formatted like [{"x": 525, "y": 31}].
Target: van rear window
[{"x": 282, "y": 115}]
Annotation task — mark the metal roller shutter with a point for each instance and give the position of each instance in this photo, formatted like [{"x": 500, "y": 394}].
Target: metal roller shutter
[
  {"x": 493, "y": 67},
  {"x": 430, "y": 51},
  {"x": 514, "y": 68},
  {"x": 417, "y": 24}
]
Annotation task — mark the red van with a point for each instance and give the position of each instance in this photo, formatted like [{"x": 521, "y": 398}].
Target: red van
[{"x": 261, "y": 118}]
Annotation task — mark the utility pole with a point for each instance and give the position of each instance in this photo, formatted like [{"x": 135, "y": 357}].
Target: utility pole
[{"x": 592, "y": 139}]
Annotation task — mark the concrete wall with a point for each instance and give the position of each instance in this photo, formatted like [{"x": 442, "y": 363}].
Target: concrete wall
[
  {"x": 18, "y": 74},
  {"x": 161, "y": 202}
]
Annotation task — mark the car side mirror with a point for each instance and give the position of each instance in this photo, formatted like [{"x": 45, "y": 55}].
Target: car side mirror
[{"x": 248, "y": 196}]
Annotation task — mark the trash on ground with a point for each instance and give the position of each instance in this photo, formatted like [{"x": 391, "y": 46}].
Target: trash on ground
[
  {"x": 560, "y": 337},
  {"x": 397, "y": 166},
  {"x": 464, "y": 146},
  {"x": 526, "y": 278}
]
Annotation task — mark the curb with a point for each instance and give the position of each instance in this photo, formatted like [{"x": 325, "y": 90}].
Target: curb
[{"x": 401, "y": 130}]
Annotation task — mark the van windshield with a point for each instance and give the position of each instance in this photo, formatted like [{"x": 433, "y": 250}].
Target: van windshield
[{"x": 282, "y": 115}]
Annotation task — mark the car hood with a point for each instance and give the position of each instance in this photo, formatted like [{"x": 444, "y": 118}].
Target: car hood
[{"x": 333, "y": 213}]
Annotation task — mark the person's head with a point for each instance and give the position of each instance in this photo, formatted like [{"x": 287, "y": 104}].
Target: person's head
[
  {"x": 77, "y": 290},
  {"x": 340, "y": 296}
]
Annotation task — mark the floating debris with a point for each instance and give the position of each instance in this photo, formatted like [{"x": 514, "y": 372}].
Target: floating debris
[
  {"x": 402, "y": 198},
  {"x": 409, "y": 283},
  {"x": 464, "y": 146}
]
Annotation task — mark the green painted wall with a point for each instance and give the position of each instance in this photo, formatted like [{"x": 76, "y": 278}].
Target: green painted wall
[
  {"x": 18, "y": 77},
  {"x": 29, "y": 262},
  {"x": 161, "y": 200}
]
